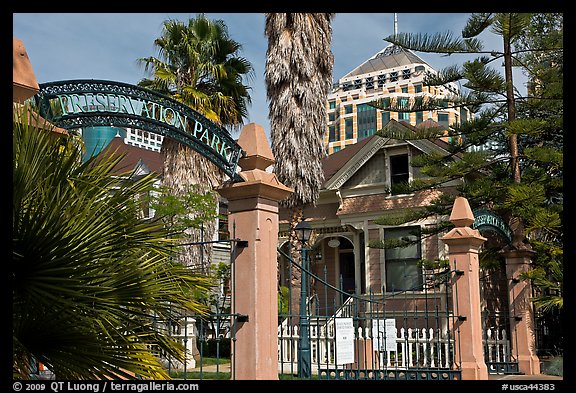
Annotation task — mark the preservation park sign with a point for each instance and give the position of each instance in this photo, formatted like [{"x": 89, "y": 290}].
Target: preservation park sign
[
  {"x": 487, "y": 221},
  {"x": 74, "y": 104}
]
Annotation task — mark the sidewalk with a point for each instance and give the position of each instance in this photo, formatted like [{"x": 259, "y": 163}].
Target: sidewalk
[{"x": 537, "y": 377}]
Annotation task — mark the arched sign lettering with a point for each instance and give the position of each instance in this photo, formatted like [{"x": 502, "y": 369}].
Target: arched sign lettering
[
  {"x": 87, "y": 103},
  {"x": 485, "y": 220}
]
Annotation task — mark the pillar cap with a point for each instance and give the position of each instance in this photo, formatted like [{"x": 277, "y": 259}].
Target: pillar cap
[
  {"x": 461, "y": 215},
  {"x": 24, "y": 83},
  {"x": 258, "y": 154}
]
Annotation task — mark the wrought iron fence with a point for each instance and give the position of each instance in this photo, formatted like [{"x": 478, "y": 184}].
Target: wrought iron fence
[{"x": 405, "y": 335}]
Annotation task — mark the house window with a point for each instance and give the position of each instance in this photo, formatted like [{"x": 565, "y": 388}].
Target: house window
[
  {"x": 223, "y": 232},
  {"x": 399, "y": 174},
  {"x": 402, "y": 270}
]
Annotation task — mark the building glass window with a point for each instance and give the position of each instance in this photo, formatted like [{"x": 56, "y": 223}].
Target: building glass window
[
  {"x": 331, "y": 116},
  {"x": 406, "y": 74},
  {"x": 403, "y": 103},
  {"x": 357, "y": 83},
  {"x": 418, "y": 88},
  {"x": 385, "y": 118},
  {"x": 394, "y": 76},
  {"x": 333, "y": 134},
  {"x": 399, "y": 174},
  {"x": 443, "y": 119},
  {"x": 332, "y": 104},
  {"x": 405, "y": 90},
  {"x": 402, "y": 270},
  {"x": 348, "y": 109},
  {"x": 463, "y": 114},
  {"x": 349, "y": 130},
  {"x": 419, "y": 117},
  {"x": 370, "y": 83},
  {"x": 336, "y": 148},
  {"x": 381, "y": 79},
  {"x": 366, "y": 122}
]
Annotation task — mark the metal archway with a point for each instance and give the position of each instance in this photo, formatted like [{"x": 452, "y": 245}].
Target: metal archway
[{"x": 73, "y": 104}]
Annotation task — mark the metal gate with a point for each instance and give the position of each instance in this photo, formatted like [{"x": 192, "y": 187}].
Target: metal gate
[
  {"x": 500, "y": 352},
  {"x": 335, "y": 334},
  {"x": 208, "y": 338}
]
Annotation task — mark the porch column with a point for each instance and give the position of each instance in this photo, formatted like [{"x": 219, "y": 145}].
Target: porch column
[
  {"x": 253, "y": 209},
  {"x": 522, "y": 325},
  {"x": 463, "y": 244}
]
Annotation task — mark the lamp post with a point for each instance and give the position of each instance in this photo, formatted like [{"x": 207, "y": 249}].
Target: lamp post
[{"x": 304, "y": 231}]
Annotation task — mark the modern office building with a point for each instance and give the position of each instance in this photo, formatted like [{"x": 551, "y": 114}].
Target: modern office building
[{"x": 394, "y": 74}]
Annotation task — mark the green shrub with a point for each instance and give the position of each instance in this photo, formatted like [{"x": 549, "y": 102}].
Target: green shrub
[{"x": 555, "y": 367}]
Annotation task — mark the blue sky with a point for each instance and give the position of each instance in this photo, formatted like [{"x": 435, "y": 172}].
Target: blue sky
[{"x": 105, "y": 46}]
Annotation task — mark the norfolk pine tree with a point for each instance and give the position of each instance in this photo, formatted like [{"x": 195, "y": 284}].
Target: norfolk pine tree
[{"x": 509, "y": 157}]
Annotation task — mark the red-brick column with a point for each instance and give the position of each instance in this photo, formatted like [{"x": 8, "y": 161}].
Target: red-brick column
[
  {"x": 463, "y": 243},
  {"x": 253, "y": 210},
  {"x": 522, "y": 323}
]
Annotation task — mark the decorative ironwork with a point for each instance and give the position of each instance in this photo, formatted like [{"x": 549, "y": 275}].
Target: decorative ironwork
[{"x": 76, "y": 104}]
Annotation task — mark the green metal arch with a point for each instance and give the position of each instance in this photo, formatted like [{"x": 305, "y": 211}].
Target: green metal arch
[
  {"x": 80, "y": 103},
  {"x": 486, "y": 221}
]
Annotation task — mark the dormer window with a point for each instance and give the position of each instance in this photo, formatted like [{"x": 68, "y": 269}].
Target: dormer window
[{"x": 399, "y": 174}]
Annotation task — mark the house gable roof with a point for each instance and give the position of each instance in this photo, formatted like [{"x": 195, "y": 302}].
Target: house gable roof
[{"x": 341, "y": 166}]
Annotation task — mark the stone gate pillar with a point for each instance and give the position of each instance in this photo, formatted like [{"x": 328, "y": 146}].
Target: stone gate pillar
[
  {"x": 522, "y": 325},
  {"x": 253, "y": 211},
  {"x": 463, "y": 244}
]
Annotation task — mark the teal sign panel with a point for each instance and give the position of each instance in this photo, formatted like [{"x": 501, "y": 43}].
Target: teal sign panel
[
  {"x": 485, "y": 220},
  {"x": 76, "y": 104}
]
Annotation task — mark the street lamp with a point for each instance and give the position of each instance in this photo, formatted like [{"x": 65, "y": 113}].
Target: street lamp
[{"x": 303, "y": 232}]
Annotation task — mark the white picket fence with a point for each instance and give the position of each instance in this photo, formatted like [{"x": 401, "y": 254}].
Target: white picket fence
[
  {"x": 415, "y": 348},
  {"x": 497, "y": 346}
]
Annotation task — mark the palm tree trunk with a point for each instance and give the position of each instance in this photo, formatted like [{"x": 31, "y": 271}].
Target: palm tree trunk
[
  {"x": 184, "y": 167},
  {"x": 299, "y": 64}
]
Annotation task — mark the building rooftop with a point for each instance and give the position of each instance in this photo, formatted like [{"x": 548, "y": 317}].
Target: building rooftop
[
  {"x": 134, "y": 157},
  {"x": 390, "y": 57}
]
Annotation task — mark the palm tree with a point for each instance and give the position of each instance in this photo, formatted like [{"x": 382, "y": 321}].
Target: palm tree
[
  {"x": 198, "y": 65},
  {"x": 88, "y": 275},
  {"x": 299, "y": 64}
]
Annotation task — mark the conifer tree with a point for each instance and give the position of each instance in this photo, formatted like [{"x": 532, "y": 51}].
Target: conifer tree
[{"x": 509, "y": 157}]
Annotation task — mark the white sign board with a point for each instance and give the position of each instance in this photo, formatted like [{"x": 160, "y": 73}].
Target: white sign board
[
  {"x": 384, "y": 334},
  {"x": 344, "y": 335}
]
